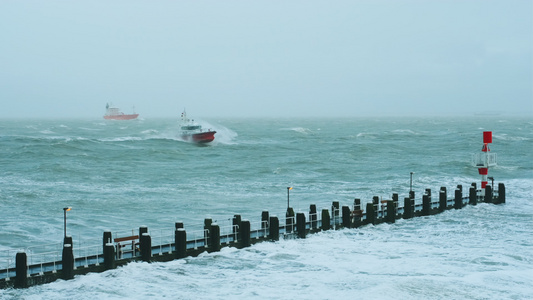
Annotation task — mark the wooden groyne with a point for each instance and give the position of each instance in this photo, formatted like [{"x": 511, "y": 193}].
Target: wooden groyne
[{"x": 120, "y": 250}]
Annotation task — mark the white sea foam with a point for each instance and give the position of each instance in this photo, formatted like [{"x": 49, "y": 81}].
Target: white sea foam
[
  {"x": 224, "y": 135},
  {"x": 150, "y": 132},
  {"x": 302, "y": 130},
  {"x": 437, "y": 258},
  {"x": 122, "y": 139}
]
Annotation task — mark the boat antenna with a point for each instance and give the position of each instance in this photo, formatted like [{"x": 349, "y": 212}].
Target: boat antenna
[{"x": 184, "y": 116}]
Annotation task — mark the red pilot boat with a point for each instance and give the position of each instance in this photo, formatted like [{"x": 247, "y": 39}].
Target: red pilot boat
[
  {"x": 193, "y": 132},
  {"x": 114, "y": 113}
]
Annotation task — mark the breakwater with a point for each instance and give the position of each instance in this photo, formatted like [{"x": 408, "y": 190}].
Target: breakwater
[{"x": 144, "y": 245}]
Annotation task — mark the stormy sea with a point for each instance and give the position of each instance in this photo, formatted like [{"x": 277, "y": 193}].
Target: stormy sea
[{"x": 119, "y": 175}]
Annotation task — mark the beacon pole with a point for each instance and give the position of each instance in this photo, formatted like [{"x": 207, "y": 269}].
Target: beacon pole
[
  {"x": 65, "y": 209},
  {"x": 288, "y": 189},
  {"x": 411, "y": 183},
  {"x": 289, "y": 221}
]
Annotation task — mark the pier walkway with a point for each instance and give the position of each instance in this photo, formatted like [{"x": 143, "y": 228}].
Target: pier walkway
[{"x": 40, "y": 265}]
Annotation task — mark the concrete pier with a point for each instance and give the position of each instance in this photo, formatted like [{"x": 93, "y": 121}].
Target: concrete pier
[{"x": 240, "y": 234}]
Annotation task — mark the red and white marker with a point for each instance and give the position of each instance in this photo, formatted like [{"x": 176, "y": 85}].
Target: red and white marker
[{"x": 485, "y": 159}]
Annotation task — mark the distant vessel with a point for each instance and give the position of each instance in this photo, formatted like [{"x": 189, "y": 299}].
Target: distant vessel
[
  {"x": 114, "y": 113},
  {"x": 193, "y": 132}
]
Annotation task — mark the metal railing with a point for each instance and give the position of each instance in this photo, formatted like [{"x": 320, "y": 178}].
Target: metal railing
[
  {"x": 7, "y": 256},
  {"x": 36, "y": 252},
  {"x": 88, "y": 255},
  {"x": 165, "y": 237},
  {"x": 263, "y": 228},
  {"x": 230, "y": 231},
  {"x": 48, "y": 262},
  {"x": 199, "y": 236}
]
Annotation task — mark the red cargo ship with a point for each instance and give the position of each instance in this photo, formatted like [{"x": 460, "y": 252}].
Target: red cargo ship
[{"x": 114, "y": 113}]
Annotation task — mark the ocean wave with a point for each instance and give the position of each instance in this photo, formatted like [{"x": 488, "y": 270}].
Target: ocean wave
[
  {"x": 302, "y": 130},
  {"x": 405, "y": 131},
  {"x": 122, "y": 139},
  {"x": 513, "y": 138},
  {"x": 150, "y": 131},
  {"x": 366, "y": 135}
]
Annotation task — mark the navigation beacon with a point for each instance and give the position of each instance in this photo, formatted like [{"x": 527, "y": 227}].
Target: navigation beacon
[{"x": 485, "y": 159}]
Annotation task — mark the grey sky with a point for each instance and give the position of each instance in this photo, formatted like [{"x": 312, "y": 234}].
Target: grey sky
[{"x": 265, "y": 58}]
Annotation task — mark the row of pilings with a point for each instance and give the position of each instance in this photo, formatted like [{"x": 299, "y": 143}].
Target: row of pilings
[{"x": 296, "y": 225}]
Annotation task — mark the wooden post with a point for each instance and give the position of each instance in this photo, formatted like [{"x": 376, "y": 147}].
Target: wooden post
[
  {"x": 67, "y": 240},
  {"x": 458, "y": 204},
  {"x": 426, "y": 205},
  {"x": 245, "y": 233},
  {"x": 395, "y": 197},
  {"x": 472, "y": 196},
  {"x": 107, "y": 238},
  {"x": 237, "y": 225},
  {"x": 207, "y": 230},
  {"x": 501, "y": 193},
  {"x": 370, "y": 214},
  {"x": 146, "y": 247},
  {"x": 180, "y": 240},
  {"x": 395, "y": 200},
  {"x": 428, "y": 192},
  {"x": 313, "y": 216},
  {"x": 273, "y": 232},
  {"x": 109, "y": 256},
  {"x": 214, "y": 236},
  {"x": 357, "y": 212},
  {"x": 443, "y": 199},
  {"x": 377, "y": 219},
  {"x": 178, "y": 225},
  {"x": 21, "y": 268},
  {"x": 391, "y": 211},
  {"x": 67, "y": 262},
  {"x": 264, "y": 219},
  {"x": 488, "y": 194},
  {"x": 407, "y": 208},
  {"x": 326, "y": 221},
  {"x": 300, "y": 225},
  {"x": 142, "y": 229},
  {"x": 346, "y": 217}
]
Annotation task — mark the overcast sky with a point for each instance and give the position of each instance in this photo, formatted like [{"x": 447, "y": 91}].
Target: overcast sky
[{"x": 265, "y": 58}]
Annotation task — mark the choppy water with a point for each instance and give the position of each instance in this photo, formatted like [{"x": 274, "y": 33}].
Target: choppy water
[{"x": 119, "y": 175}]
